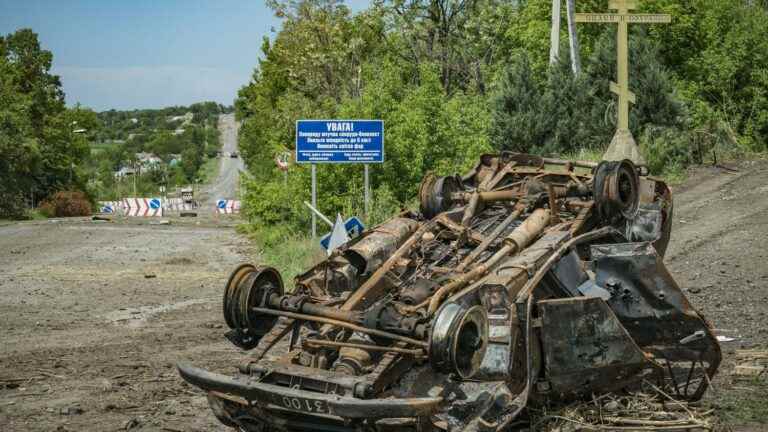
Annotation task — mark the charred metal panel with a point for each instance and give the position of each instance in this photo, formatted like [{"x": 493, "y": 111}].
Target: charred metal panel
[
  {"x": 651, "y": 306},
  {"x": 586, "y": 347},
  {"x": 566, "y": 276},
  {"x": 647, "y": 224},
  {"x": 644, "y": 296}
]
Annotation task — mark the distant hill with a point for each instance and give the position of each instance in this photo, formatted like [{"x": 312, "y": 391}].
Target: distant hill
[{"x": 123, "y": 125}]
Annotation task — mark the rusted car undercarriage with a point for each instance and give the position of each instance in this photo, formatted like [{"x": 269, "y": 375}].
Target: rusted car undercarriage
[{"x": 526, "y": 280}]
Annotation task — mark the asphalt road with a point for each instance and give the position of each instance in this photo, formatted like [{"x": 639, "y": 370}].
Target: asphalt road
[{"x": 226, "y": 185}]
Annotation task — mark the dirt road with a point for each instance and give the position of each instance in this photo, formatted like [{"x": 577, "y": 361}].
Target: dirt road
[
  {"x": 94, "y": 316},
  {"x": 719, "y": 249}
]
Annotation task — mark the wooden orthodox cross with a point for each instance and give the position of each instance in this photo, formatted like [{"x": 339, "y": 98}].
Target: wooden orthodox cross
[{"x": 623, "y": 145}]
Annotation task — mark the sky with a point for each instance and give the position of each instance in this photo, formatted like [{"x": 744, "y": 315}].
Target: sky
[{"x": 127, "y": 54}]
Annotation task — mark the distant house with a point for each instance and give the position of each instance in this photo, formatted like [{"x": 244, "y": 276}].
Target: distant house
[
  {"x": 175, "y": 159},
  {"x": 124, "y": 171},
  {"x": 186, "y": 118},
  {"x": 178, "y": 131},
  {"x": 134, "y": 120},
  {"x": 148, "y": 161}
]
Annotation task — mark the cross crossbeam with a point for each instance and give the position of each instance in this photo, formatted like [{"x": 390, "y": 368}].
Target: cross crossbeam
[{"x": 629, "y": 18}]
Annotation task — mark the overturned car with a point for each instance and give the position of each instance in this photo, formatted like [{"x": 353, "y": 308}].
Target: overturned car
[{"x": 527, "y": 280}]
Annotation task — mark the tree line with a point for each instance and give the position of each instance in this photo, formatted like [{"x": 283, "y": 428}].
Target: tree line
[
  {"x": 46, "y": 147},
  {"x": 455, "y": 78}
]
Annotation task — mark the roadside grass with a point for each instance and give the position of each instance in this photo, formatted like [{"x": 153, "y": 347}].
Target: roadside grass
[
  {"x": 744, "y": 402},
  {"x": 290, "y": 254},
  {"x": 35, "y": 214},
  {"x": 99, "y": 147},
  {"x": 209, "y": 170},
  {"x": 585, "y": 154},
  {"x": 31, "y": 214}
]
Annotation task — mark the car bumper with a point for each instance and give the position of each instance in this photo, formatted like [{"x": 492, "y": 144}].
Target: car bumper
[{"x": 288, "y": 408}]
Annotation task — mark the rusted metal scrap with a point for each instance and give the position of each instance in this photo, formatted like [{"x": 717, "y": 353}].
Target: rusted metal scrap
[{"x": 525, "y": 280}]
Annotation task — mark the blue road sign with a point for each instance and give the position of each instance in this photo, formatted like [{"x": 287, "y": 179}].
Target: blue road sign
[
  {"x": 354, "y": 228},
  {"x": 154, "y": 203},
  {"x": 221, "y": 204},
  {"x": 340, "y": 141}
]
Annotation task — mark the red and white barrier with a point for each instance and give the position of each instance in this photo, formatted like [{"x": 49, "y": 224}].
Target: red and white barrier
[
  {"x": 112, "y": 207},
  {"x": 177, "y": 205},
  {"x": 227, "y": 206},
  {"x": 143, "y": 207}
]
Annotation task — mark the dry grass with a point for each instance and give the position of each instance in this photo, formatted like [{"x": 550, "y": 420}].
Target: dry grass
[{"x": 649, "y": 410}]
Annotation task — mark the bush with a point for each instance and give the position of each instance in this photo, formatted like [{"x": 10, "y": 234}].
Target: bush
[
  {"x": 66, "y": 203},
  {"x": 11, "y": 204}
]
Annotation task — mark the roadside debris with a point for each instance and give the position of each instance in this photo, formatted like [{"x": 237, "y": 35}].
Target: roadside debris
[
  {"x": 132, "y": 424},
  {"x": 527, "y": 282},
  {"x": 97, "y": 218},
  {"x": 751, "y": 362},
  {"x": 650, "y": 410},
  {"x": 73, "y": 410}
]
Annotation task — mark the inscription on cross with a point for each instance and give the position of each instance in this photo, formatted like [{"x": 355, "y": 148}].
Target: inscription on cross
[{"x": 623, "y": 145}]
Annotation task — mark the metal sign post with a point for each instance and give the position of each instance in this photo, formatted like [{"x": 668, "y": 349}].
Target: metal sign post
[
  {"x": 366, "y": 191},
  {"x": 322, "y": 217},
  {"x": 314, "y": 200}
]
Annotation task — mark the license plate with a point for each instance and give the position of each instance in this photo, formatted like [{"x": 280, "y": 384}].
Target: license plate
[{"x": 301, "y": 404}]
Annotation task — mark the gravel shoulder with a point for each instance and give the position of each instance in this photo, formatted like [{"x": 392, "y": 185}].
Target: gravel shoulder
[{"x": 93, "y": 318}]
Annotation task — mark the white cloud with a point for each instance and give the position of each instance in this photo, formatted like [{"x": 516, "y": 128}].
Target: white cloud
[{"x": 103, "y": 88}]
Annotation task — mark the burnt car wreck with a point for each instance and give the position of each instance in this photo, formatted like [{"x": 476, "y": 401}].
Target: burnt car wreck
[{"x": 526, "y": 280}]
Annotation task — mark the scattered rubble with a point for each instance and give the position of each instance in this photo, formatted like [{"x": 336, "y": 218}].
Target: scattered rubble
[
  {"x": 649, "y": 410},
  {"x": 751, "y": 363}
]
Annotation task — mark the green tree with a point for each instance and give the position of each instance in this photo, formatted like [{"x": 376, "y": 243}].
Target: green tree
[
  {"x": 41, "y": 152},
  {"x": 567, "y": 113}
]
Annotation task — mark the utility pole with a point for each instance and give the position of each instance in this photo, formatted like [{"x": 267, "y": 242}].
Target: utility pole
[
  {"x": 573, "y": 38},
  {"x": 554, "y": 37}
]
